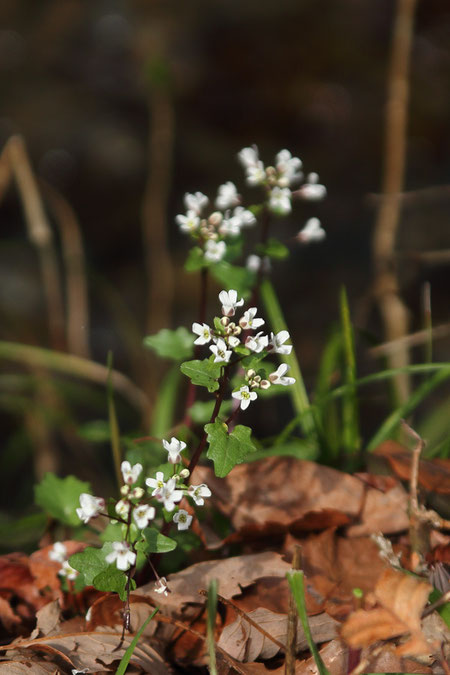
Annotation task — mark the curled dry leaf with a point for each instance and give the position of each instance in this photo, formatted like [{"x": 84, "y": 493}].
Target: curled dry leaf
[
  {"x": 244, "y": 642},
  {"x": 434, "y": 474},
  {"x": 94, "y": 651},
  {"x": 402, "y": 599}
]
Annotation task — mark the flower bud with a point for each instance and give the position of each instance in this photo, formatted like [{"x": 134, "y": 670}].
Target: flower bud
[
  {"x": 137, "y": 493},
  {"x": 184, "y": 473},
  {"x": 124, "y": 490},
  {"x": 215, "y": 218}
]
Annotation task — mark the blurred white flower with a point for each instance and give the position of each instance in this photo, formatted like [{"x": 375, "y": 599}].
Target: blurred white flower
[
  {"x": 227, "y": 196},
  {"x": 130, "y": 473},
  {"x": 68, "y": 571},
  {"x": 215, "y": 250},
  {"x": 195, "y": 202},
  {"x": 142, "y": 514},
  {"x": 58, "y": 552},
  {"x": 312, "y": 190},
  {"x": 122, "y": 555},
  {"x": 174, "y": 448},
  {"x": 90, "y": 507},
  {"x": 312, "y": 231},
  {"x": 280, "y": 200},
  {"x": 188, "y": 223},
  {"x": 288, "y": 168}
]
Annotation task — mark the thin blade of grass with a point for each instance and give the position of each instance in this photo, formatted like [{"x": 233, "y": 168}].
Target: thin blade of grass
[
  {"x": 163, "y": 412},
  {"x": 113, "y": 424},
  {"x": 125, "y": 660},
  {"x": 327, "y": 418},
  {"x": 212, "y": 611},
  {"x": 406, "y": 409},
  {"x": 297, "y": 391},
  {"x": 350, "y": 427},
  {"x": 295, "y": 581}
]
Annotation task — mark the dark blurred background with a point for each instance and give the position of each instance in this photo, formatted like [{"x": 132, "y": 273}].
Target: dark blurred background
[{"x": 116, "y": 100}]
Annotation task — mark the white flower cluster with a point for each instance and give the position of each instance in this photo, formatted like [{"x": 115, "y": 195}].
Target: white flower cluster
[
  {"x": 58, "y": 553},
  {"x": 280, "y": 179},
  {"x": 228, "y": 335},
  {"x": 133, "y": 507},
  {"x": 211, "y": 231}
]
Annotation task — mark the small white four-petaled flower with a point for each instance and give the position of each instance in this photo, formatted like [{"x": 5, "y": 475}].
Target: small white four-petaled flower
[
  {"x": 195, "y": 202},
  {"x": 220, "y": 351},
  {"x": 68, "y": 571},
  {"x": 156, "y": 483},
  {"x": 204, "y": 333},
  {"x": 280, "y": 200},
  {"x": 198, "y": 492},
  {"x": 161, "y": 586},
  {"x": 182, "y": 519},
  {"x": 188, "y": 223},
  {"x": 58, "y": 552},
  {"x": 230, "y": 302},
  {"x": 142, "y": 514},
  {"x": 312, "y": 231},
  {"x": 130, "y": 473},
  {"x": 122, "y": 555},
  {"x": 257, "y": 342},
  {"x": 278, "y": 377},
  {"x": 227, "y": 196},
  {"x": 248, "y": 319},
  {"x": 174, "y": 448},
  {"x": 90, "y": 507},
  {"x": 215, "y": 250},
  {"x": 245, "y": 396},
  {"x": 277, "y": 341}
]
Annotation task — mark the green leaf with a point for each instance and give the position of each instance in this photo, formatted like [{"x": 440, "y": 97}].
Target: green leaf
[
  {"x": 273, "y": 248},
  {"x": 231, "y": 276},
  {"x": 60, "y": 497},
  {"x": 204, "y": 373},
  {"x": 125, "y": 660},
  {"x": 157, "y": 542},
  {"x": 91, "y": 561},
  {"x": 225, "y": 449},
  {"x": 195, "y": 260},
  {"x": 176, "y": 345},
  {"x": 113, "y": 580}
]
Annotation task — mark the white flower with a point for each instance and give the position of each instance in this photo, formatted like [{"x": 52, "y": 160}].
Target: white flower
[
  {"x": 230, "y": 226},
  {"x": 229, "y": 302},
  {"x": 215, "y": 250},
  {"x": 233, "y": 341},
  {"x": 130, "y": 473},
  {"x": 227, "y": 196},
  {"x": 312, "y": 190},
  {"x": 142, "y": 514},
  {"x": 257, "y": 342},
  {"x": 280, "y": 200},
  {"x": 157, "y": 483},
  {"x": 174, "y": 448},
  {"x": 122, "y": 555},
  {"x": 182, "y": 519},
  {"x": 122, "y": 508},
  {"x": 90, "y": 507},
  {"x": 204, "y": 333},
  {"x": 253, "y": 263},
  {"x": 58, "y": 552},
  {"x": 169, "y": 496},
  {"x": 244, "y": 217},
  {"x": 312, "y": 231},
  {"x": 248, "y": 156},
  {"x": 277, "y": 342},
  {"x": 68, "y": 571},
  {"x": 288, "y": 168},
  {"x": 248, "y": 319},
  {"x": 198, "y": 492},
  {"x": 220, "y": 351},
  {"x": 195, "y": 202},
  {"x": 256, "y": 174},
  {"x": 244, "y": 395},
  {"x": 278, "y": 376},
  {"x": 188, "y": 223},
  {"x": 161, "y": 586}
]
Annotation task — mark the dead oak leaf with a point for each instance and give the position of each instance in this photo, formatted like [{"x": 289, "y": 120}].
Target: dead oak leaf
[
  {"x": 244, "y": 642},
  {"x": 402, "y": 599}
]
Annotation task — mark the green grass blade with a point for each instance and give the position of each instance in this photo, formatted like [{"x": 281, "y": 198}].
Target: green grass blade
[
  {"x": 113, "y": 424},
  {"x": 350, "y": 427},
  {"x": 163, "y": 412},
  {"x": 327, "y": 416},
  {"x": 295, "y": 580},
  {"x": 406, "y": 409},
  {"x": 212, "y": 611},
  {"x": 298, "y": 390},
  {"x": 125, "y": 660}
]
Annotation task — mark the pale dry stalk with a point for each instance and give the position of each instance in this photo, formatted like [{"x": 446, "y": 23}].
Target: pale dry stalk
[
  {"x": 292, "y": 620},
  {"x": 386, "y": 288}
]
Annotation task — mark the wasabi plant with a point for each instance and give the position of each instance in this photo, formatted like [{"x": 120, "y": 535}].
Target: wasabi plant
[{"x": 237, "y": 358}]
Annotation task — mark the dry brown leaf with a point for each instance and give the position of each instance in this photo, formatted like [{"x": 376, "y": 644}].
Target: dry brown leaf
[
  {"x": 244, "y": 642},
  {"x": 404, "y": 595},
  {"x": 45, "y": 571},
  {"x": 233, "y": 574},
  {"x": 282, "y": 490},
  {"x": 385, "y": 512},
  {"x": 96, "y": 650},
  {"x": 8, "y": 617},
  {"x": 403, "y": 598},
  {"x": 28, "y": 667},
  {"x": 48, "y": 619},
  {"x": 434, "y": 474}
]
